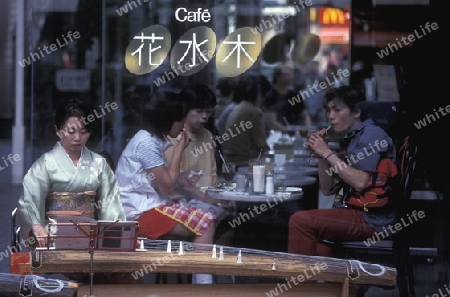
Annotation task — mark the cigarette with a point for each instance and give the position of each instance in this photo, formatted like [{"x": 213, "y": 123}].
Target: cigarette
[{"x": 326, "y": 136}]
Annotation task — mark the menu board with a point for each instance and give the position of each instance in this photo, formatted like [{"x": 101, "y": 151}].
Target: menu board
[{"x": 386, "y": 81}]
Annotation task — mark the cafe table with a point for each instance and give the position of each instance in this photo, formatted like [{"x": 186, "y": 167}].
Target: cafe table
[
  {"x": 295, "y": 176},
  {"x": 297, "y": 153},
  {"x": 301, "y": 152},
  {"x": 290, "y": 194},
  {"x": 260, "y": 220},
  {"x": 291, "y": 171}
]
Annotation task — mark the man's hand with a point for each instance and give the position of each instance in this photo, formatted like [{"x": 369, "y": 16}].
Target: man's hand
[{"x": 318, "y": 143}]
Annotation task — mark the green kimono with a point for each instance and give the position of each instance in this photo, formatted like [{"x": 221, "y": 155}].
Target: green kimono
[{"x": 55, "y": 172}]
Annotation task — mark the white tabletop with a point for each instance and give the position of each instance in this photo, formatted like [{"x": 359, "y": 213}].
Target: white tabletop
[
  {"x": 231, "y": 195},
  {"x": 294, "y": 171}
]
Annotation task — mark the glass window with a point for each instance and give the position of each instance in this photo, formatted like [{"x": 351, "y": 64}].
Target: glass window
[{"x": 113, "y": 55}]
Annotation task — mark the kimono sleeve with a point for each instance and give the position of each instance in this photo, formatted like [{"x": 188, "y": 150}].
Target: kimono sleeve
[
  {"x": 110, "y": 206},
  {"x": 36, "y": 186}
]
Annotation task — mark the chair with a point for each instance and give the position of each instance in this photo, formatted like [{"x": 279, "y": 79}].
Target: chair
[{"x": 396, "y": 246}]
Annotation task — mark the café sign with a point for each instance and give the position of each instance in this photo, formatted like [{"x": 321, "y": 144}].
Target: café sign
[
  {"x": 193, "y": 50},
  {"x": 183, "y": 15}
]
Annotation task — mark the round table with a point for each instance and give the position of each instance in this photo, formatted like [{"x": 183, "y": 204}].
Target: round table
[
  {"x": 297, "y": 153},
  {"x": 302, "y": 152},
  {"x": 292, "y": 171},
  {"x": 231, "y": 195},
  {"x": 299, "y": 177}
]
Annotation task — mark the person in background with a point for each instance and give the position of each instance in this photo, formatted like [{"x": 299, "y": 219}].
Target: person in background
[
  {"x": 330, "y": 73},
  {"x": 312, "y": 73},
  {"x": 225, "y": 87},
  {"x": 244, "y": 145},
  {"x": 221, "y": 121},
  {"x": 147, "y": 180},
  {"x": 358, "y": 220},
  {"x": 314, "y": 104},
  {"x": 278, "y": 111}
]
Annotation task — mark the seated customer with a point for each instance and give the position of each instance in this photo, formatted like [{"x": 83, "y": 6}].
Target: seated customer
[
  {"x": 245, "y": 125},
  {"x": 225, "y": 91},
  {"x": 279, "y": 105},
  {"x": 199, "y": 156},
  {"x": 366, "y": 146},
  {"x": 147, "y": 180},
  {"x": 221, "y": 121}
]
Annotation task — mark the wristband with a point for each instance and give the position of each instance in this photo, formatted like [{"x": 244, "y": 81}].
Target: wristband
[{"x": 329, "y": 155}]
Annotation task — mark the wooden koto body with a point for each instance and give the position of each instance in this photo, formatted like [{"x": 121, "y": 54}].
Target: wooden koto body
[
  {"x": 200, "y": 260},
  {"x": 14, "y": 285}
]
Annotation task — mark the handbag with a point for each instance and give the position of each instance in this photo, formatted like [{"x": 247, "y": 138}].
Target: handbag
[{"x": 380, "y": 190}]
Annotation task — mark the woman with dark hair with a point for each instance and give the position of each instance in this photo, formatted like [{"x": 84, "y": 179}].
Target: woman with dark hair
[
  {"x": 146, "y": 179},
  {"x": 70, "y": 177},
  {"x": 200, "y": 153},
  {"x": 199, "y": 157}
]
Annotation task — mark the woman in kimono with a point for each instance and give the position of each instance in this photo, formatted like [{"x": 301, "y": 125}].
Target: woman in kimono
[
  {"x": 147, "y": 180},
  {"x": 69, "y": 179}
]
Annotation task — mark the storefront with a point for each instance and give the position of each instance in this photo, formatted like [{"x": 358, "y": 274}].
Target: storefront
[{"x": 99, "y": 50}]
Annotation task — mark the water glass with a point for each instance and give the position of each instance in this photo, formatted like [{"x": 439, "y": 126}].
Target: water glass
[
  {"x": 280, "y": 182},
  {"x": 240, "y": 183},
  {"x": 259, "y": 175}
]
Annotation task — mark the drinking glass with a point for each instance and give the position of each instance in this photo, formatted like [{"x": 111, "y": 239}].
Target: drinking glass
[
  {"x": 304, "y": 131},
  {"x": 291, "y": 130},
  {"x": 280, "y": 181},
  {"x": 312, "y": 155},
  {"x": 259, "y": 175},
  {"x": 240, "y": 182},
  {"x": 253, "y": 162},
  {"x": 228, "y": 171}
]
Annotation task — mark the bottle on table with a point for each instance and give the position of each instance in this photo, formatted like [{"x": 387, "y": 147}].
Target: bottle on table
[{"x": 269, "y": 183}]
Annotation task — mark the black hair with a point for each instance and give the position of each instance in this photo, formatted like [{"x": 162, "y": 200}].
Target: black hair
[
  {"x": 226, "y": 86},
  {"x": 278, "y": 71},
  {"x": 164, "y": 109},
  {"x": 349, "y": 96},
  {"x": 250, "y": 85},
  {"x": 71, "y": 108},
  {"x": 198, "y": 95}
]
